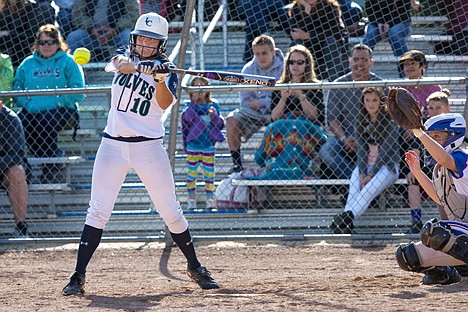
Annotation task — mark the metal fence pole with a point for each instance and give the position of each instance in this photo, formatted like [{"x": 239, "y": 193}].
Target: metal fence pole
[{"x": 175, "y": 107}]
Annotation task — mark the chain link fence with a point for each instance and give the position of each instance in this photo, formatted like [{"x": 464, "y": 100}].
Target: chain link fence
[{"x": 287, "y": 189}]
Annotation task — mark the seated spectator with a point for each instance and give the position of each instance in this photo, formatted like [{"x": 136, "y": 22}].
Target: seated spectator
[
  {"x": 49, "y": 67},
  {"x": 65, "y": 16},
  {"x": 21, "y": 19},
  {"x": 254, "y": 111},
  {"x": 413, "y": 64},
  {"x": 378, "y": 159},
  {"x": 258, "y": 16},
  {"x": 6, "y": 77},
  {"x": 438, "y": 103},
  {"x": 388, "y": 20},
  {"x": 100, "y": 23},
  {"x": 290, "y": 143},
  {"x": 317, "y": 25},
  {"x": 339, "y": 153},
  {"x": 13, "y": 168},
  {"x": 201, "y": 129},
  {"x": 457, "y": 13},
  {"x": 351, "y": 13}
]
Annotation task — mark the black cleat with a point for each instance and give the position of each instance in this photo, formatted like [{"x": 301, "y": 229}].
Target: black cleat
[
  {"x": 202, "y": 277},
  {"x": 415, "y": 227},
  {"x": 343, "y": 223},
  {"x": 235, "y": 168},
  {"x": 443, "y": 275},
  {"x": 75, "y": 286}
]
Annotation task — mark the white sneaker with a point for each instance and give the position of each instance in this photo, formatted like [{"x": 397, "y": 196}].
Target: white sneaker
[
  {"x": 210, "y": 204},
  {"x": 191, "y": 204}
]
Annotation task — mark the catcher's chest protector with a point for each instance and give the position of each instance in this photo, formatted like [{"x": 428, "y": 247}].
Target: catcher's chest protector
[{"x": 455, "y": 204}]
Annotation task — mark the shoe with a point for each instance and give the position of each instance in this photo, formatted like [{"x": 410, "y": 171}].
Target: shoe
[
  {"x": 462, "y": 270},
  {"x": 235, "y": 168},
  {"x": 443, "y": 275},
  {"x": 191, "y": 204},
  {"x": 75, "y": 286},
  {"x": 202, "y": 277},
  {"x": 21, "y": 230},
  {"x": 343, "y": 223},
  {"x": 210, "y": 204},
  {"x": 415, "y": 227}
]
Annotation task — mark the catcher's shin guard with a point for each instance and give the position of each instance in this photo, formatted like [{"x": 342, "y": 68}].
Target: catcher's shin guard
[
  {"x": 439, "y": 236},
  {"x": 408, "y": 258}
]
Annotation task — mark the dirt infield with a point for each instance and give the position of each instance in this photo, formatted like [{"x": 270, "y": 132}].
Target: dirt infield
[{"x": 149, "y": 277}]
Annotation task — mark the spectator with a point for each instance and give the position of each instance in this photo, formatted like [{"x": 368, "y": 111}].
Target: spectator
[
  {"x": 6, "y": 77},
  {"x": 298, "y": 68},
  {"x": 377, "y": 161},
  {"x": 99, "y": 23},
  {"x": 289, "y": 145},
  {"x": 438, "y": 103},
  {"x": 49, "y": 67},
  {"x": 351, "y": 13},
  {"x": 317, "y": 25},
  {"x": 13, "y": 166},
  {"x": 201, "y": 129},
  {"x": 254, "y": 110},
  {"x": 21, "y": 19},
  {"x": 413, "y": 64},
  {"x": 258, "y": 15},
  {"x": 65, "y": 16},
  {"x": 457, "y": 13},
  {"x": 388, "y": 19},
  {"x": 339, "y": 153}
]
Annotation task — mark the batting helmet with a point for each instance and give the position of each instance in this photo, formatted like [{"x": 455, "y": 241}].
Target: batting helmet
[
  {"x": 452, "y": 123},
  {"x": 150, "y": 25}
]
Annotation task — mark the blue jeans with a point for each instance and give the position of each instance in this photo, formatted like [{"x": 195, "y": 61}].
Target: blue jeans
[
  {"x": 81, "y": 38},
  {"x": 332, "y": 154},
  {"x": 396, "y": 37},
  {"x": 258, "y": 14}
]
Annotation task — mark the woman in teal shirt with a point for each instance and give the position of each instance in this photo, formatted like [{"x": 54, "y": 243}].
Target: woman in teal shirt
[{"x": 49, "y": 67}]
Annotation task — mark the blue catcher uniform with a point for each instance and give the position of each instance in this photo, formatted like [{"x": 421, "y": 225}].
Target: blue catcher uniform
[{"x": 444, "y": 243}]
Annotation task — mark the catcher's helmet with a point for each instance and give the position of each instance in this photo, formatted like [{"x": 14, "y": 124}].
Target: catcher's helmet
[
  {"x": 452, "y": 123},
  {"x": 150, "y": 25}
]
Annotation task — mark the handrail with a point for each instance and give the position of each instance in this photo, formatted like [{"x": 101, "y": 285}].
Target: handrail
[{"x": 236, "y": 88}]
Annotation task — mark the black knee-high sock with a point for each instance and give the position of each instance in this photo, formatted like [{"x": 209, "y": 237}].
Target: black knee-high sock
[
  {"x": 184, "y": 242},
  {"x": 90, "y": 239},
  {"x": 236, "y": 158}
]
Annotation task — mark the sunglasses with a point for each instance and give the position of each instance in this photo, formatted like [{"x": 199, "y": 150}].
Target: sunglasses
[
  {"x": 47, "y": 42},
  {"x": 298, "y": 62}
]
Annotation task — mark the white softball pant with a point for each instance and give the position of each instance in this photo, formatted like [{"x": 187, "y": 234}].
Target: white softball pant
[
  {"x": 359, "y": 200},
  {"x": 150, "y": 161}
]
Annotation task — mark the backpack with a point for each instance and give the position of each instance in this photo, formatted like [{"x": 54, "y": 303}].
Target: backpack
[{"x": 230, "y": 196}]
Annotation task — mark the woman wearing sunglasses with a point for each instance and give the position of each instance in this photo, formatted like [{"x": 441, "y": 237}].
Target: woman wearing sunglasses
[
  {"x": 291, "y": 141},
  {"x": 49, "y": 67}
]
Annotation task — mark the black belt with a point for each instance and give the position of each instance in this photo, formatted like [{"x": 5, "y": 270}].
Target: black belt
[{"x": 130, "y": 139}]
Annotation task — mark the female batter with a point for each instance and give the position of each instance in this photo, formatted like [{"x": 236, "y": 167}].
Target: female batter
[{"x": 133, "y": 139}]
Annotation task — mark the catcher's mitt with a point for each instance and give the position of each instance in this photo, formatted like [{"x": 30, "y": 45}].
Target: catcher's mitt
[{"x": 404, "y": 109}]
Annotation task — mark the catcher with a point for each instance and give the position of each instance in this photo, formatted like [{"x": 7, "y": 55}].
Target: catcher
[{"x": 442, "y": 253}]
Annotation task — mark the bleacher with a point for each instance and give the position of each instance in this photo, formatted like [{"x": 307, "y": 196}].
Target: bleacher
[{"x": 64, "y": 207}]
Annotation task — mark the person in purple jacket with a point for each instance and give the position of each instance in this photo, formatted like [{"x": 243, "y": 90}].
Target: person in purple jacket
[{"x": 201, "y": 129}]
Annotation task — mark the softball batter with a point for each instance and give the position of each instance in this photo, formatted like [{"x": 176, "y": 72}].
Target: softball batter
[{"x": 133, "y": 139}]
